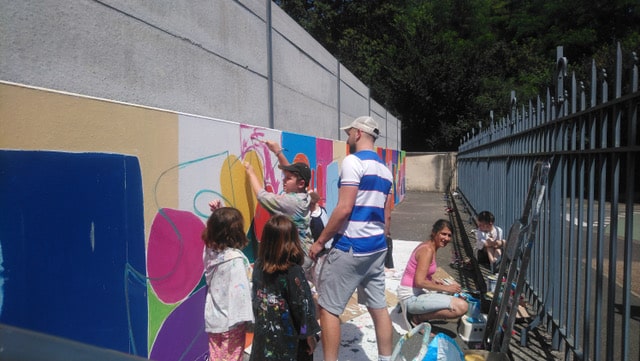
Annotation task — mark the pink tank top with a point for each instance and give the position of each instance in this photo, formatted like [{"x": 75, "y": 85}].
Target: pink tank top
[{"x": 412, "y": 264}]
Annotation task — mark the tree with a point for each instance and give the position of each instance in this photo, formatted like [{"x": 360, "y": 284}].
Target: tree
[{"x": 441, "y": 66}]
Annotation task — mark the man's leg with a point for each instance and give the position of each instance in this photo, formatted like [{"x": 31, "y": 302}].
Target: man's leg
[
  {"x": 338, "y": 279},
  {"x": 330, "y": 325},
  {"x": 384, "y": 330}
]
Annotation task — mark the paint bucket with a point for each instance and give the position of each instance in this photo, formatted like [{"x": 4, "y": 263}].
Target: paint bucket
[
  {"x": 473, "y": 313},
  {"x": 491, "y": 283}
]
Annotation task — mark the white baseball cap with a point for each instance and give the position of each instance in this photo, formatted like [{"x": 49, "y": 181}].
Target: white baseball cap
[{"x": 365, "y": 124}]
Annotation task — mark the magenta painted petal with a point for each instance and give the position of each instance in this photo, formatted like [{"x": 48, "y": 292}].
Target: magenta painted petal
[{"x": 174, "y": 254}]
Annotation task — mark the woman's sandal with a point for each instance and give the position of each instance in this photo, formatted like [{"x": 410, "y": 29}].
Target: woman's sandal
[
  {"x": 412, "y": 320},
  {"x": 414, "y": 323}
]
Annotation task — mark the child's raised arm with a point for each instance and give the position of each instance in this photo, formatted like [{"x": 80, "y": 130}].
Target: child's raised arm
[{"x": 215, "y": 204}]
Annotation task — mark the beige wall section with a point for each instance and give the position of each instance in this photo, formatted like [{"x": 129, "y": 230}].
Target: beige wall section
[
  {"x": 430, "y": 172},
  {"x": 339, "y": 152},
  {"x": 33, "y": 119}
]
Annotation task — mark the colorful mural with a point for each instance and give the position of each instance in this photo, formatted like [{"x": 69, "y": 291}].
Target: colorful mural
[{"x": 103, "y": 206}]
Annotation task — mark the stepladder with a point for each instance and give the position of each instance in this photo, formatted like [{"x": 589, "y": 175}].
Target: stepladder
[{"x": 511, "y": 277}]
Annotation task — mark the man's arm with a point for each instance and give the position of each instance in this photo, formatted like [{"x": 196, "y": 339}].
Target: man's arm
[{"x": 387, "y": 214}]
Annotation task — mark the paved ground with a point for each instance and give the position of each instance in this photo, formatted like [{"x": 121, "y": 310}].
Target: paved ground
[
  {"x": 411, "y": 223},
  {"x": 412, "y": 220}
]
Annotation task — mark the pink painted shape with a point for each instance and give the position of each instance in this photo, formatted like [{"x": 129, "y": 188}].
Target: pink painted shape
[
  {"x": 324, "y": 157},
  {"x": 174, "y": 254},
  {"x": 251, "y": 139}
]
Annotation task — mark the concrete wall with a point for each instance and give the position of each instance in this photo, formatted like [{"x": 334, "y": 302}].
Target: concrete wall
[
  {"x": 244, "y": 61},
  {"x": 430, "y": 172}
]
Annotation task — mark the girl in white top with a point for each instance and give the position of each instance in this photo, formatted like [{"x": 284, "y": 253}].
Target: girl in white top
[{"x": 228, "y": 309}]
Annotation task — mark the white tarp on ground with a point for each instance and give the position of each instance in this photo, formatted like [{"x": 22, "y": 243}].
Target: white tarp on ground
[{"x": 358, "y": 341}]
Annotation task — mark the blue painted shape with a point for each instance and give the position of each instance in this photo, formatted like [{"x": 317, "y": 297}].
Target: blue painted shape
[
  {"x": 72, "y": 236},
  {"x": 297, "y": 143},
  {"x": 333, "y": 178}
]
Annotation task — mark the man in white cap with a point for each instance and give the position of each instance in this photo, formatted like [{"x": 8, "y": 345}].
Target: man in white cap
[{"x": 357, "y": 228}]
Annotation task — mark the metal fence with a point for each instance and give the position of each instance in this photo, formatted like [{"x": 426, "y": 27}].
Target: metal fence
[{"x": 580, "y": 273}]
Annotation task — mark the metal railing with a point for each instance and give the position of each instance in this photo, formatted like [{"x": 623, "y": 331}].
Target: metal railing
[{"x": 580, "y": 274}]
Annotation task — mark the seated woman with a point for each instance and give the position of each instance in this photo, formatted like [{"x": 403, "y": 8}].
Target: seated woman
[{"x": 423, "y": 297}]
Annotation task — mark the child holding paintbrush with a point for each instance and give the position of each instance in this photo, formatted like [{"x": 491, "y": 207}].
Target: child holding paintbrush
[{"x": 293, "y": 202}]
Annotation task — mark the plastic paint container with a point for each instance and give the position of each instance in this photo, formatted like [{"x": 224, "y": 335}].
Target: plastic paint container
[{"x": 473, "y": 313}]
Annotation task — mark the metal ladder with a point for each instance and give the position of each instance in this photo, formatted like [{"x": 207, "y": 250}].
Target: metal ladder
[{"x": 513, "y": 267}]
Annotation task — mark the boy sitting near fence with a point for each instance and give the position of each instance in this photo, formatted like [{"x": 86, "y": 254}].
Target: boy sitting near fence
[{"x": 489, "y": 241}]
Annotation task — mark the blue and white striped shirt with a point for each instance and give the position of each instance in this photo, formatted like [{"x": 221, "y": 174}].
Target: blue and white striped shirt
[{"x": 364, "y": 232}]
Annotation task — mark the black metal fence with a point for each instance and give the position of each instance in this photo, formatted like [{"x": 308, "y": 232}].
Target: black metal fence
[{"x": 582, "y": 267}]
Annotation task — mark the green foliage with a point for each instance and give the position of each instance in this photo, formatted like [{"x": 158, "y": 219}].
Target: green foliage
[{"x": 441, "y": 66}]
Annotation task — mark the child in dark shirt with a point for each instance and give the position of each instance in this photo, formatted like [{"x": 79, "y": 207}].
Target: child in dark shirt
[{"x": 285, "y": 317}]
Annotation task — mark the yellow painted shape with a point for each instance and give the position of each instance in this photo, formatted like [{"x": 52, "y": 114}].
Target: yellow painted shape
[
  {"x": 340, "y": 149},
  {"x": 235, "y": 186}
]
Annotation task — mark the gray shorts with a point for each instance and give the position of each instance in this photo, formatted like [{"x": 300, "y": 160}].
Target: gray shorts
[
  {"x": 307, "y": 267},
  {"x": 342, "y": 273}
]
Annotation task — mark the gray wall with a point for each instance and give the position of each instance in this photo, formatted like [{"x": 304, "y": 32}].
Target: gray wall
[
  {"x": 206, "y": 57},
  {"x": 431, "y": 172}
]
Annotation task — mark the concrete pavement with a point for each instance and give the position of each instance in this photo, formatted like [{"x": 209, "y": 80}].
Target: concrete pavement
[{"x": 411, "y": 223}]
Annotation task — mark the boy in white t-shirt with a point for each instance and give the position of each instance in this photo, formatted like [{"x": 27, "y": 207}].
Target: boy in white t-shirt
[{"x": 489, "y": 240}]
